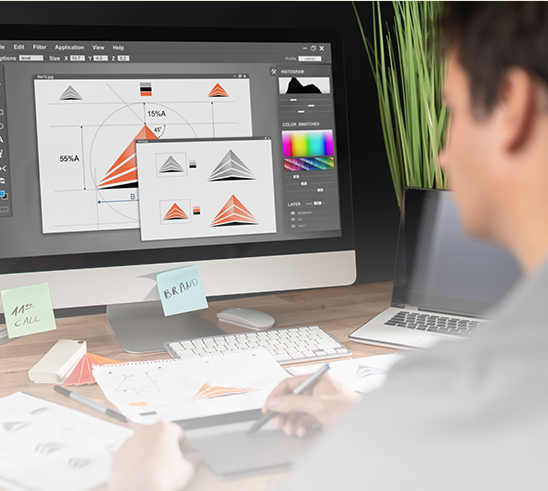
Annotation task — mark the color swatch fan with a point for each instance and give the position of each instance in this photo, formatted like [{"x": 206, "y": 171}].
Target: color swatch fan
[{"x": 83, "y": 374}]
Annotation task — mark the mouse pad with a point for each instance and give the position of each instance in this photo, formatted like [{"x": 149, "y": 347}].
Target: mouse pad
[{"x": 230, "y": 453}]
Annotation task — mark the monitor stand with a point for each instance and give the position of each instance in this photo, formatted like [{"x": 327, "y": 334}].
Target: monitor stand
[{"x": 143, "y": 327}]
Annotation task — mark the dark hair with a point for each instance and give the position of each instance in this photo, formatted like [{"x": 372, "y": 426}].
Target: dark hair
[{"x": 493, "y": 36}]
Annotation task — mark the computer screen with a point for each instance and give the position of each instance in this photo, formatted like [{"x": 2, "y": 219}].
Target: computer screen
[
  {"x": 441, "y": 268},
  {"x": 126, "y": 151}
]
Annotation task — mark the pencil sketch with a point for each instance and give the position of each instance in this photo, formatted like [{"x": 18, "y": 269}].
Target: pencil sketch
[
  {"x": 39, "y": 411},
  {"x": 78, "y": 463},
  {"x": 13, "y": 426},
  {"x": 47, "y": 448},
  {"x": 363, "y": 371},
  {"x": 134, "y": 383}
]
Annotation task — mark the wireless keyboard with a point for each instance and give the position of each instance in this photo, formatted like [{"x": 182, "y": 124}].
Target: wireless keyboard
[{"x": 286, "y": 345}]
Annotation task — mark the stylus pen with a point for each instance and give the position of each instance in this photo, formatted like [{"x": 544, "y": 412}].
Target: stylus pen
[
  {"x": 92, "y": 404},
  {"x": 309, "y": 382}
]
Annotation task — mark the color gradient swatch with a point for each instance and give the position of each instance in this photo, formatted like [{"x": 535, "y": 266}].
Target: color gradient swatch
[
  {"x": 309, "y": 163},
  {"x": 307, "y": 143}
]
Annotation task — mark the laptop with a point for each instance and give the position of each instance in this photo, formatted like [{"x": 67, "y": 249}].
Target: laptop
[{"x": 446, "y": 284}]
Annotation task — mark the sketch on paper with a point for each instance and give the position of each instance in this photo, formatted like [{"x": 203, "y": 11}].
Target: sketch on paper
[{"x": 48, "y": 438}]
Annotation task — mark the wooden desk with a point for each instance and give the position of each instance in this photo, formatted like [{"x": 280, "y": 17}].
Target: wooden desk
[{"x": 337, "y": 310}]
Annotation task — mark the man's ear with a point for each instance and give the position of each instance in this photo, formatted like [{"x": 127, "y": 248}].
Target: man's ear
[{"x": 517, "y": 108}]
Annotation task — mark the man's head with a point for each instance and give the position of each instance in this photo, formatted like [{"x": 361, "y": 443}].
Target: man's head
[
  {"x": 496, "y": 89},
  {"x": 492, "y": 37}
]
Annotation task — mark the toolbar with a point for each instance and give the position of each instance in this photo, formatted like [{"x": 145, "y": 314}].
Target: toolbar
[{"x": 5, "y": 185}]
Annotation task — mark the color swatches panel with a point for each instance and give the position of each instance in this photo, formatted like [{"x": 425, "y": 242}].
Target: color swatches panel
[{"x": 317, "y": 143}]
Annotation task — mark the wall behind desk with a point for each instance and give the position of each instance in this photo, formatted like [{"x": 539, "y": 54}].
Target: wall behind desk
[{"x": 376, "y": 213}]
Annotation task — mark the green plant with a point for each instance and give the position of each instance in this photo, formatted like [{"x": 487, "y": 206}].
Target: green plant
[{"x": 409, "y": 78}]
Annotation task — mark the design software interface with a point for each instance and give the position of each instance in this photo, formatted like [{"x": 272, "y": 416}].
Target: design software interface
[{"x": 139, "y": 145}]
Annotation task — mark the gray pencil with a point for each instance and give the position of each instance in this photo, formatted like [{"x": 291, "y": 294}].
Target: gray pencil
[{"x": 89, "y": 403}]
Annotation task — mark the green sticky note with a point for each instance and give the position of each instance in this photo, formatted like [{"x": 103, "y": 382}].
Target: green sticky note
[
  {"x": 28, "y": 310},
  {"x": 181, "y": 290}
]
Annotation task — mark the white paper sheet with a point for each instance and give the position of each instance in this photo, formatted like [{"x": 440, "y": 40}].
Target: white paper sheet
[
  {"x": 48, "y": 447},
  {"x": 360, "y": 374},
  {"x": 146, "y": 392}
]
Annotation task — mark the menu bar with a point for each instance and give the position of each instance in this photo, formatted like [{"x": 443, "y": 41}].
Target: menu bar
[
  {"x": 155, "y": 51},
  {"x": 161, "y": 47}
]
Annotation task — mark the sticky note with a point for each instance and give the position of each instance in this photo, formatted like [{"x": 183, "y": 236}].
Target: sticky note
[
  {"x": 181, "y": 290},
  {"x": 28, "y": 310}
]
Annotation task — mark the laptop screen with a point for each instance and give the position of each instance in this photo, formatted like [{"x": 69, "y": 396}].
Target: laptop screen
[{"x": 439, "y": 267}]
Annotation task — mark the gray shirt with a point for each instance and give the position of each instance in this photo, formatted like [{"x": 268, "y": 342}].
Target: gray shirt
[{"x": 464, "y": 415}]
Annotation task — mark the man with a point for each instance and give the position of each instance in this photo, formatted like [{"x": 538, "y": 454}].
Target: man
[{"x": 470, "y": 414}]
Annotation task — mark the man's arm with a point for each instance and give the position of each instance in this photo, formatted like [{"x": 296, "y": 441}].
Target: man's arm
[{"x": 152, "y": 460}]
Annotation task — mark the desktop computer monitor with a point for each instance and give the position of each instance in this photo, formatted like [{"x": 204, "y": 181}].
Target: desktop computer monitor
[{"x": 128, "y": 151}]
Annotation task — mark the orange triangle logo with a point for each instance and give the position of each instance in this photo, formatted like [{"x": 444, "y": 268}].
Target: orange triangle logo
[
  {"x": 218, "y": 91},
  {"x": 124, "y": 170},
  {"x": 233, "y": 213},
  {"x": 175, "y": 212},
  {"x": 208, "y": 391}
]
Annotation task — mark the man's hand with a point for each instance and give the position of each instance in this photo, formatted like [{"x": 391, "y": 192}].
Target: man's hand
[
  {"x": 321, "y": 405},
  {"x": 152, "y": 459}
]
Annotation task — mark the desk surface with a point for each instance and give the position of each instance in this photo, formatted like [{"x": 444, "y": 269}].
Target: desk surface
[{"x": 339, "y": 311}]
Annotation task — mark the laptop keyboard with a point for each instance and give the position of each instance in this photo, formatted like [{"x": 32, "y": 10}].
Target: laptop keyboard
[{"x": 434, "y": 323}]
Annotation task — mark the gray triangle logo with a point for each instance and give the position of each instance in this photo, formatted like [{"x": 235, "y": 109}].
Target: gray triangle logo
[
  {"x": 231, "y": 168},
  {"x": 171, "y": 165},
  {"x": 70, "y": 95}
]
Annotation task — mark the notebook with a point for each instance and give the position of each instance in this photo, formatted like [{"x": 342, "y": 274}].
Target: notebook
[{"x": 446, "y": 284}]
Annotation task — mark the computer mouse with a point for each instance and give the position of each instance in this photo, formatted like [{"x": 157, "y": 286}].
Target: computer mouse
[{"x": 248, "y": 318}]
